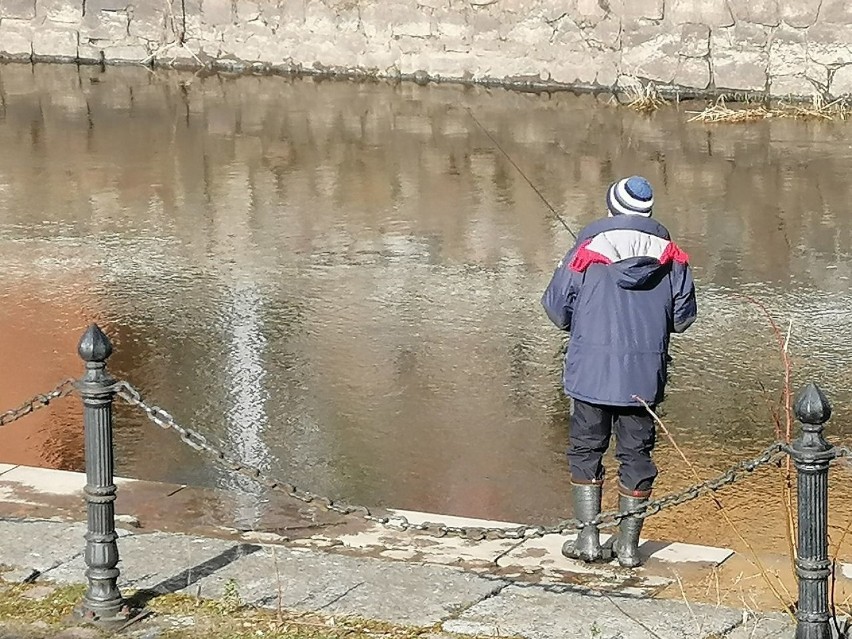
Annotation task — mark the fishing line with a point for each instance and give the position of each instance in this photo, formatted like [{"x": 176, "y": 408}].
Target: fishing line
[{"x": 523, "y": 175}]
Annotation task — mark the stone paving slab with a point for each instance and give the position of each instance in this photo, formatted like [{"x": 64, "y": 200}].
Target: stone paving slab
[
  {"x": 165, "y": 562},
  {"x": 393, "y": 544},
  {"x": 50, "y": 481},
  {"x": 5, "y": 468},
  {"x": 681, "y": 553},
  {"x": 534, "y": 613},
  {"x": 544, "y": 557},
  {"x": 531, "y": 561},
  {"x": 311, "y": 580},
  {"x": 43, "y": 493},
  {"x": 39, "y": 545},
  {"x": 768, "y": 626}
]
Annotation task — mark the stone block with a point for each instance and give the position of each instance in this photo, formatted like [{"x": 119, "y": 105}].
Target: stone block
[
  {"x": 504, "y": 62},
  {"x": 693, "y": 73},
  {"x": 659, "y": 55},
  {"x": 713, "y": 13},
  {"x": 320, "y": 54},
  {"x": 787, "y": 51},
  {"x": 185, "y": 8},
  {"x": 764, "y": 12},
  {"x": 16, "y": 39},
  {"x": 487, "y": 25},
  {"x": 113, "y": 52},
  {"x": 413, "y": 46},
  {"x": 253, "y": 42},
  {"x": 639, "y": 9},
  {"x": 447, "y": 65},
  {"x": 589, "y": 12},
  {"x": 288, "y": 15},
  {"x": 830, "y": 44},
  {"x": 292, "y": 12},
  {"x": 409, "y": 20},
  {"x": 536, "y": 613},
  {"x": 247, "y": 11},
  {"x": 607, "y": 64},
  {"x": 94, "y": 6},
  {"x": 217, "y": 12},
  {"x": 55, "y": 40},
  {"x": 573, "y": 65},
  {"x": 345, "y": 586},
  {"x": 320, "y": 19},
  {"x": 377, "y": 56},
  {"x": 205, "y": 49},
  {"x": 786, "y": 85},
  {"x": 695, "y": 41},
  {"x": 740, "y": 58},
  {"x": 61, "y": 11},
  {"x": 453, "y": 25},
  {"x": 19, "y": 9},
  {"x": 456, "y": 45},
  {"x": 149, "y": 22},
  {"x": 841, "y": 84},
  {"x": 836, "y": 12},
  {"x": 107, "y": 25},
  {"x": 606, "y": 33},
  {"x": 649, "y": 52},
  {"x": 529, "y": 32},
  {"x": 376, "y": 23},
  {"x": 511, "y": 9},
  {"x": 799, "y": 13}
]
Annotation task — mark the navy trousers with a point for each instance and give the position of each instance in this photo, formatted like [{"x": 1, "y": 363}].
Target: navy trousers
[{"x": 635, "y": 433}]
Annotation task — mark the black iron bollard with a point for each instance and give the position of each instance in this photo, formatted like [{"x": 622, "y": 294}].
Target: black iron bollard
[
  {"x": 103, "y": 601},
  {"x": 812, "y": 456}
]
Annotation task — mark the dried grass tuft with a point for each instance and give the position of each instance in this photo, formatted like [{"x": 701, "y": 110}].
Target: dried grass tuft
[
  {"x": 644, "y": 97},
  {"x": 818, "y": 109}
]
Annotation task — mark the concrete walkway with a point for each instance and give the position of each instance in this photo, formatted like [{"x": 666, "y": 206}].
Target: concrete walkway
[{"x": 189, "y": 540}]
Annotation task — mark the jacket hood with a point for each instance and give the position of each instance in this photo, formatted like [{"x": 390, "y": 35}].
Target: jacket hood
[
  {"x": 634, "y": 257},
  {"x": 636, "y": 272}
]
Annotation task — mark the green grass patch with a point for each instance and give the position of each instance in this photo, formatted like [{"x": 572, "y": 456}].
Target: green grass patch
[{"x": 49, "y": 607}]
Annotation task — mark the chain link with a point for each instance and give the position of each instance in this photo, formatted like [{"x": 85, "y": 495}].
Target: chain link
[
  {"x": 63, "y": 389},
  {"x": 398, "y": 522}
]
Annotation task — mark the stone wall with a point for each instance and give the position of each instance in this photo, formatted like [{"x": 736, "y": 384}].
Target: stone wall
[{"x": 782, "y": 47}]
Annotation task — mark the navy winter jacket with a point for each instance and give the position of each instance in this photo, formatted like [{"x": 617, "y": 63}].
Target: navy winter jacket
[{"x": 621, "y": 291}]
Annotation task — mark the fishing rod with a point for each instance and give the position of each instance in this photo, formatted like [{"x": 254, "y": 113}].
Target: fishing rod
[{"x": 523, "y": 175}]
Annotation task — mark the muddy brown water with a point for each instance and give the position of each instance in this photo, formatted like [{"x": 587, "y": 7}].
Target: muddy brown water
[{"x": 340, "y": 282}]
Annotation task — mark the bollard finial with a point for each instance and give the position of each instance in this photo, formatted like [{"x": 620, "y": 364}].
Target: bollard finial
[
  {"x": 811, "y": 405},
  {"x": 94, "y": 345}
]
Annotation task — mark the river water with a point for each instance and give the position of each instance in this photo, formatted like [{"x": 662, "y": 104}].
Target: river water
[{"x": 340, "y": 282}]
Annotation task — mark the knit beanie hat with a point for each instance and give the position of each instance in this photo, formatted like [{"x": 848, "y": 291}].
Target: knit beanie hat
[{"x": 630, "y": 196}]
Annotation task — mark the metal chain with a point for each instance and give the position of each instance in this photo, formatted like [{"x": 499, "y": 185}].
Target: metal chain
[
  {"x": 39, "y": 401},
  {"x": 605, "y": 520}
]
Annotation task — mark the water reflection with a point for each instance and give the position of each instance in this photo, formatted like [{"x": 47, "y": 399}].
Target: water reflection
[{"x": 340, "y": 282}]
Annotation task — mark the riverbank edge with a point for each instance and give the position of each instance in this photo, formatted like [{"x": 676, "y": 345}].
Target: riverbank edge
[{"x": 622, "y": 92}]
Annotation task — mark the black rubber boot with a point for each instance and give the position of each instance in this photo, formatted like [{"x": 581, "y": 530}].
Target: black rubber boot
[
  {"x": 626, "y": 545},
  {"x": 587, "y": 506}
]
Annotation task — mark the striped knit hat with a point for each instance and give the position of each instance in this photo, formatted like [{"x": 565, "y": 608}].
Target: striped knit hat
[{"x": 630, "y": 196}]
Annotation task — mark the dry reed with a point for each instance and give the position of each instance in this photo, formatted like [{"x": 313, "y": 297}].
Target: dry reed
[
  {"x": 644, "y": 98},
  {"x": 818, "y": 109},
  {"x": 786, "y": 604}
]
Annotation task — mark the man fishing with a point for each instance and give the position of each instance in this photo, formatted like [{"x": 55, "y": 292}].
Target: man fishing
[{"x": 621, "y": 291}]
